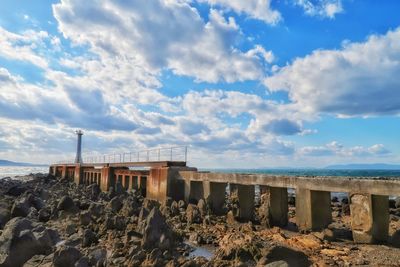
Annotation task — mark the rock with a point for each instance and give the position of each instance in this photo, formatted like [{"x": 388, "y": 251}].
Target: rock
[
  {"x": 397, "y": 202},
  {"x": 193, "y": 214},
  {"x": 70, "y": 229},
  {"x": 287, "y": 255},
  {"x": 40, "y": 260},
  {"x": 335, "y": 199},
  {"x": 94, "y": 191},
  {"x": 264, "y": 210},
  {"x": 67, "y": 204},
  {"x": 47, "y": 239},
  {"x": 157, "y": 233},
  {"x": 119, "y": 223},
  {"x": 238, "y": 246},
  {"x": 82, "y": 262},
  {"x": 142, "y": 219},
  {"x": 85, "y": 218},
  {"x": 395, "y": 239},
  {"x": 89, "y": 237},
  {"x": 66, "y": 256},
  {"x": 115, "y": 204},
  {"x": 292, "y": 200},
  {"x": 98, "y": 257},
  {"x": 16, "y": 190},
  {"x": 96, "y": 210},
  {"x": 230, "y": 217},
  {"x": 119, "y": 189},
  {"x": 181, "y": 204},
  {"x": 202, "y": 205},
  {"x": 21, "y": 208},
  {"x": 17, "y": 243},
  {"x": 174, "y": 208},
  {"x": 5, "y": 216},
  {"x": 44, "y": 215},
  {"x": 275, "y": 264}
]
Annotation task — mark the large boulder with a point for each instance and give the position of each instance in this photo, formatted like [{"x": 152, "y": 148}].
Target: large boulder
[
  {"x": 17, "y": 190},
  {"x": 115, "y": 204},
  {"x": 17, "y": 243},
  {"x": 193, "y": 214},
  {"x": 67, "y": 204},
  {"x": 5, "y": 216},
  {"x": 21, "y": 207},
  {"x": 89, "y": 237},
  {"x": 66, "y": 256},
  {"x": 238, "y": 246},
  {"x": 157, "y": 233}
]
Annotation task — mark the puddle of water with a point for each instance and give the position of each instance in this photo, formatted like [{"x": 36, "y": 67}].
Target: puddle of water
[{"x": 201, "y": 251}]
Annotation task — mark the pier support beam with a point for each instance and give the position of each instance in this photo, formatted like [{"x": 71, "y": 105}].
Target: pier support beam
[
  {"x": 246, "y": 201},
  {"x": 274, "y": 206},
  {"x": 63, "y": 172},
  {"x": 369, "y": 217},
  {"x": 78, "y": 174},
  {"x": 107, "y": 178},
  {"x": 214, "y": 194},
  {"x": 313, "y": 209}
]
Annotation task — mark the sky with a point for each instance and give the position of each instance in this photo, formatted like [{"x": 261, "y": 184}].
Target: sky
[{"x": 243, "y": 84}]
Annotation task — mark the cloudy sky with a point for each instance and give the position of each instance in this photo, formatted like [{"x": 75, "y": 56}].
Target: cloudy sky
[{"x": 255, "y": 83}]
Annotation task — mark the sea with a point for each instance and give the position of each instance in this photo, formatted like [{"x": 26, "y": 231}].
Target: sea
[{"x": 20, "y": 171}]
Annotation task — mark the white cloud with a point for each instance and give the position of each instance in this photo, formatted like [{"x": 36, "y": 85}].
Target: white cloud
[
  {"x": 321, "y": 8},
  {"x": 257, "y": 9},
  {"x": 358, "y": 80},
  {"x": 177, "y": 38},
  {"x": 336, "y": 149}
]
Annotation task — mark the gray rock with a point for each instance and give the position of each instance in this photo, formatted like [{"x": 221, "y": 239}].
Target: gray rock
[
  {"x": 44, "y": 215},
  {"x": 193, "y": 214},
  {"x": 17, "y": 243},
  {"x": 85, "y": 218},
  {"x": 21, "y": 208},
  {"x": 5, "y": 216},
  {"x": 115, "y": 204},
  {"x": 67, "y": 204},
  {"x": 96, "y": 210},
  {"x": 98, "y": 257},
  {"x": 202, "y": 205},
  {"x": 89, "y": 237},
  {"x": 157, "y": 233},
  {"x": 174, "y": 208},
  {"x": 82, "y": 262},
  {"x": 17, "y": 190},
  {"x": 66, "y": 256}
]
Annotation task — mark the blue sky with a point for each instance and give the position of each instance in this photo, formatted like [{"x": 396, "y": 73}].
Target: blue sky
[{"x": 257, "y": 83}]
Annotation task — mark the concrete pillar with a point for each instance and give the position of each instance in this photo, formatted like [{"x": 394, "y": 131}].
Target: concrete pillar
[
  {"x": 78, "y": 174},
  {"x": 214, "y": 194},
  {"x": 196, "y": 191},
  {"x": 246, "y": 201},
  {"x": 63, "y": 172},
  {"x": 275, "y": 205},
  {"x": 107, "y": 178},
  {"x": 369, "y": 217},
  {"x": 313, "y": 209},
  {"x": 187, "y": 190}
]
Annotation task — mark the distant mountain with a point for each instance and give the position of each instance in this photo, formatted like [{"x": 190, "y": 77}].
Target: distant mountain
[
  {"x": 371, "y": 166},
  {"x": 12, "y": 163}
]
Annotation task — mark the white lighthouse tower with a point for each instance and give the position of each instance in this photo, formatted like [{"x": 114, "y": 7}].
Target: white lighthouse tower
[{"x": 78, "y": 158}]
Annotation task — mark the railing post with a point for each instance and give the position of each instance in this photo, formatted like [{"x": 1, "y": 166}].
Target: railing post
[
  {"x": 185, "y": 153},
  {"x": 147, "y": 155},
  {"x": 159, "y": 151},
  {"x": 130, "y": 156},
  {"x": 171, "y": 154}
]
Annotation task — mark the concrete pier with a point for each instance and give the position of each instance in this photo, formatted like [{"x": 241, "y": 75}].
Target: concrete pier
[
  {"x": 214, "y": 194},
  {"x": 313, "y": 209},
  {"x": 163, "y": 180},
  {"x": 246, "y": 195},
  {"x": 369, "y": 217}
]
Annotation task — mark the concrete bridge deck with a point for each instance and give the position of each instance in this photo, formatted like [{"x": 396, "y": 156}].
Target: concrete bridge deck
[{"x": 369, "y": 205}]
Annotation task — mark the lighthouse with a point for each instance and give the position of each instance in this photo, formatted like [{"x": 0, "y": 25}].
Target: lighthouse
[{"x": 78, "y": 158}]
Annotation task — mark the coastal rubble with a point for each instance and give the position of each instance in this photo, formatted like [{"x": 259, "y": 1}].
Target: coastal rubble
[{"x": 50, "y": 222}]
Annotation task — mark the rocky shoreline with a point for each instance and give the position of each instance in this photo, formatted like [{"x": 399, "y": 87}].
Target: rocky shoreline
[{"x": 49, "y": 222}]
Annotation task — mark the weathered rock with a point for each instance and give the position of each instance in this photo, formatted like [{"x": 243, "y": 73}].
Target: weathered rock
[
  {"x": 202, "y": 205},
  {"x": 181, "y": 204},
  {"x": 5, "y": 216},
  {"x": 98, "y": 257},
  {"x": 96, "y": 210},
  {"x": 230, "y": 217},
  {"x": 142, "y": 219},
  {"x": 193, "y": 214},
  {"x": 21, "y": 208},
  {"x": 264, "y": 210},
  {"x": 89, "y": 237},
  {"x": 44, "y": 215},
  {"x": 70, "y": 229},
  {"x": 290, "y": 256},
  {"x": 238, "y": 246},
  {"x": 67, "y": 204},
  {"x": 94, "y": 190},
  {"x": 157, "y": 233},
  {"x": 115, "y": 204},
  {"x": 85, "y": 218},
  {"x": 174, "y": 208},
  {"x": 82, "y": 262},
  {"x": 17, "y": 243},
  {"x": 47, "y": 239},
  {"x": 17, "y": 190},
  {"x": 66, "y": 256}
]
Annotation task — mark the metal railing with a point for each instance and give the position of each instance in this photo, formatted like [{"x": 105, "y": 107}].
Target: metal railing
[{"x": 178, "y": 153}]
